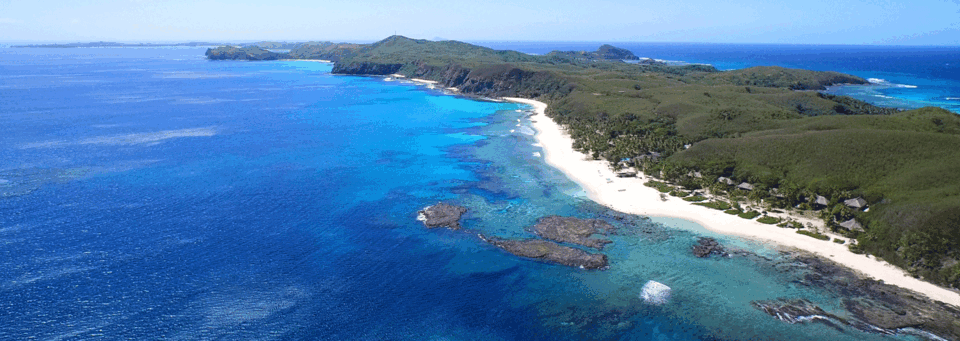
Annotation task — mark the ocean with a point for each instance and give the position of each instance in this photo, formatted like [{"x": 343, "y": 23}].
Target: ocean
[{"x": 147, "y": 193}]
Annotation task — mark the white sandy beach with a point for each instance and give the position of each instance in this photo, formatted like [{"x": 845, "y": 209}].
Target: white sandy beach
[
  {"x": 308, "y": 60},
  {"x": 629, "y": 195}
]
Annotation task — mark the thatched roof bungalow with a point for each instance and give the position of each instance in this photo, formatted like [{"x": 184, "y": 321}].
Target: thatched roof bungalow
[
  {"x": 727, "y": 181},
  {"x": 852, "y": 225},
  {"x": 857, "y": 203},
  {"x": 652, "y": 156},
  {"x": 776, "y": 192},
  {"x": 745, "y": 186},
  {"x": 822, "y": 201}
]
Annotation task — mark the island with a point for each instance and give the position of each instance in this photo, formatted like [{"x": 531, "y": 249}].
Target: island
[
  {"x": 760, "y": 147},
  {"x": 97, "y": 44}
]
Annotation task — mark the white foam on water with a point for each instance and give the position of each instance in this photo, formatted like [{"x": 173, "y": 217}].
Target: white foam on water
[
  {"x": 536, "y": 154},
  {"x": 655, "y": 293},
  {"x": 884, "y": 82},
  {"x": 129, "y": 139}
]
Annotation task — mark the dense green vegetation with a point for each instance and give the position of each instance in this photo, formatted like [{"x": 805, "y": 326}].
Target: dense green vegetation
[
  {"x": 768, "y": 220},
  {"x": 695, "y": 198},
  {"x": 717, "y": 205},
  {"x": 660, "y": 186},
  {"x": 246, "y": 53},
  {"x": 690, "y": 125},
  {"x": 605, "y": 52},
  {"x": 813, "y": 234}
]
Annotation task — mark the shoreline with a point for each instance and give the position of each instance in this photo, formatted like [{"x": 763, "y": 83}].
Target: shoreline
[
  {"x": 630, "y": 195},
  {"x": 307, "y": 60}
]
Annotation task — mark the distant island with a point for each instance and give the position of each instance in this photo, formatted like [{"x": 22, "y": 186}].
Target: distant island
[
  {"x": 113, "y": 44},
  {"x": 883, "y": 177},
  {"x": 262, "y": 44}
]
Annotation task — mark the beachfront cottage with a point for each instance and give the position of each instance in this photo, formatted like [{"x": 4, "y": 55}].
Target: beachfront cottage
[
  {"x": 745, "y": 186},
  {"x": 627, "y": 173},
  {"x": 821, "y": 201},
  {"x": 856, "y": 203},
  {"x": 852, "y": 225},
  {"x": 727, "y": 181},
  {"x": 776, "y": 192}
]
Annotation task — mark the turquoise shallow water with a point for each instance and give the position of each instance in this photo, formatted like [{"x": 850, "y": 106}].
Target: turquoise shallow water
[{"x": 151, "y": 194}]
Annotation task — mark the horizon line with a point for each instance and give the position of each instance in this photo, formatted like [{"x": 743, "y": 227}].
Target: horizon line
[{"x": 365, "y": 41}]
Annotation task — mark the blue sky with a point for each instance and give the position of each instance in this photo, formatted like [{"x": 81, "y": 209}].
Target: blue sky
[{"x": 901, "y": 22}]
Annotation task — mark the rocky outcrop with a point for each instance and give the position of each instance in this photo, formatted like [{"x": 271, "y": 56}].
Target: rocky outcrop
[
  {"x": 243, "y": 53},
  {"x": 573, "y": 230},
  {"x": 550, "y": 252},
  {"x": 800, "y": 310},
  {"x": 708, "y": 246},
  {"x": 876, "y": 306},
  {"x": 442, "y": 215}
]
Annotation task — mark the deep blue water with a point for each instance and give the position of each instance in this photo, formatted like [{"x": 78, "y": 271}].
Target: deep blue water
[
  {"x": 152, "y": 194},
  {"x": 906, "y": 76}
]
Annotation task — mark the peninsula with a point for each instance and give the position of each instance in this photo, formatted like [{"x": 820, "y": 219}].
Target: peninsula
[{"x": 758, "y": 149}]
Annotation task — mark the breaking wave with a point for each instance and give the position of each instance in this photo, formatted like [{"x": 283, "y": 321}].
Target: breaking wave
[{"x": 884, "y": 82}]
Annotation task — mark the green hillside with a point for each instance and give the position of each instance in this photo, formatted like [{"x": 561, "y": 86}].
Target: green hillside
[{"x": 760, "y": 125}]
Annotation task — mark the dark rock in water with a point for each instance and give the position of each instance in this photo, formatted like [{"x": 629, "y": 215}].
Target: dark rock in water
[
  {"x": 550, "y": 251},
  {"x": 800, "y": 310},
  {"x": 879, "y": 307},
  {"x": 573, "y": 230},
  {"x": 708, "y": 246},
  {"x": 790, "y": 310},
  {"x": 884, "y": 315},
  {"x": 442, "y": 215}
]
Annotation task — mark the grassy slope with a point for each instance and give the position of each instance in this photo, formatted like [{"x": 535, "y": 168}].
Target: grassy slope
[
  {"x": 907, "y": 164},
  {"x": 747, "y": 124}
]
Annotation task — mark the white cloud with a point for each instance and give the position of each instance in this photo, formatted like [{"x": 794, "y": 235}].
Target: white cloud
[{"x": 9, "y": 21}]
